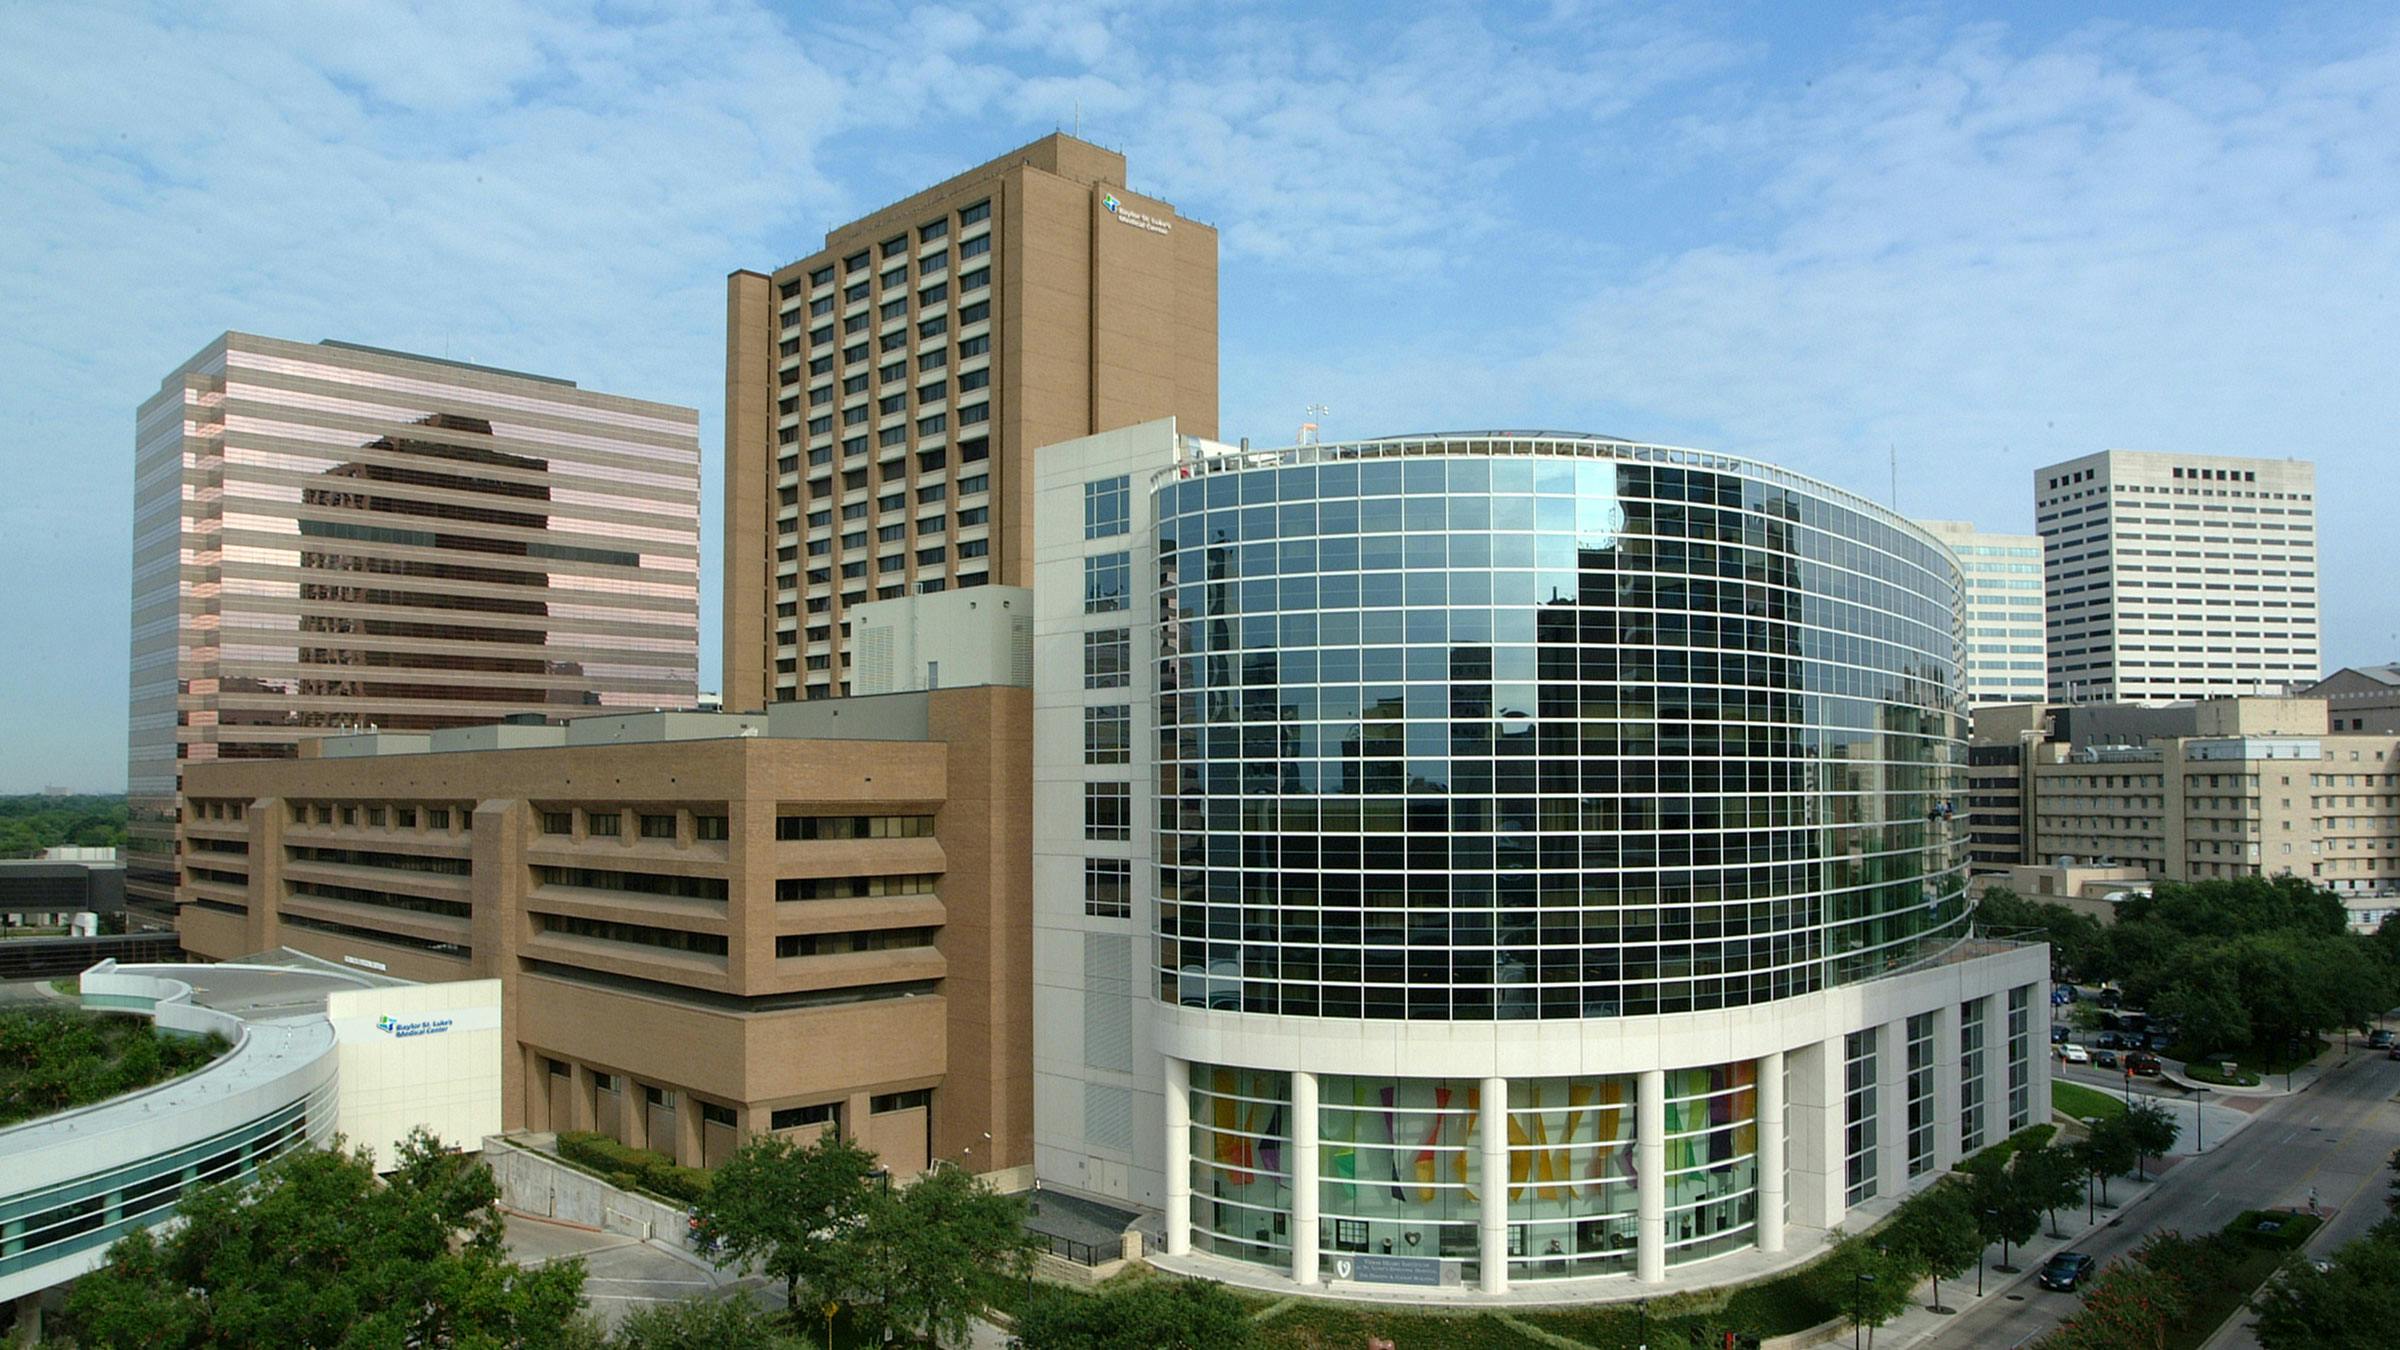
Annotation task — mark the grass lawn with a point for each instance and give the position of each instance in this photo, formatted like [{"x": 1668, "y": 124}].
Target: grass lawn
[
  {"x": 2251, "y": 1060},
  {"x": 2084, "y": 1103}
]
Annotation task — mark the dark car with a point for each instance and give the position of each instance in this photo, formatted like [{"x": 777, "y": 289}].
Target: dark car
[
  {"x": 2066, "y": 1270},
  {"x": 2145, "y": 1065},
  {"x": 2058, "y": 1035},
  {"x": 2157, "y": 1045},
  {"x": 2380, "y": 1039},
  {"x": 2394, "y": 1052},
  {"x": 2109, "y": 1040},
  {"x": 2106, "y": 1059}
]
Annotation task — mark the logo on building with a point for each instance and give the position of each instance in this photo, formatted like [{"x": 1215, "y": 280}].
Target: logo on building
[
  {"x": 423, "y": 1026},
  {"x": 1136, "y": 219}
]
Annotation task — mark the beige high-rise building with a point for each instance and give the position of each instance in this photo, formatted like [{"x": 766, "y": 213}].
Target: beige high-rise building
[
  {"x": 330, "y": 538},
  {"x": 2173, "y": 576},
  {"x": 884, "y": 395}
]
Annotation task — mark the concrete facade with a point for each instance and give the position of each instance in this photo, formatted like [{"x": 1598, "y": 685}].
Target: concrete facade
[
  {"x": 2226, "y": 787},
  {"x": 2175, "y": 576}
]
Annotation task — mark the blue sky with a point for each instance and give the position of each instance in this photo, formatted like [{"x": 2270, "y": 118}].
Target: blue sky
[{"x": 1984, "y": 237}]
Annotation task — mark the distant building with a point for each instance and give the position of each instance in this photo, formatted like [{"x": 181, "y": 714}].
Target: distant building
[
  {"x": 2174, "y": 576},
  {"x": 45, "y": 890},
  {"x": 2360, "y": 698},
  {"x": 330, "y": 538},
  {"x": 2225, "y": 787},
  {"x": 2004, "y": 611}
]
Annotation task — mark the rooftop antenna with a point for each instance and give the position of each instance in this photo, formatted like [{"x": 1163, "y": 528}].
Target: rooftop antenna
[
  {"x": 1310, "y": 430},
  {"x": 1894, "y": 447},
  {"x": 1079, "y": 119}
]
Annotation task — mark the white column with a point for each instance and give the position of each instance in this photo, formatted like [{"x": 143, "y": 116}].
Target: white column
[
  {"x": 1650, "y": 1161},
  {"x": 1770, "y": 1152},
  {"x": 1814, "y": 1154},
  {"x": 1891, "y": 1111},
  {"x": 1494, "y": 1195},
  {"x": 1947, "y": 1087},
  {"x": 1304, "y": 1178},
  {"x": 1179, "y": 1156}
]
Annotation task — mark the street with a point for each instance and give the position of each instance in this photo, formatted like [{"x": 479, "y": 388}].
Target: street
[{"x": 2333, "y": 1139}]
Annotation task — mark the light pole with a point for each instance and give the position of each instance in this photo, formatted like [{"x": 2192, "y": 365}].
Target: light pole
[
  {"x": 2090, "y": 1215},
  {"x": 1858, "y": 1309},
  {"x": 1642, "y": 1306},
  {"x": 1994, "y": 1216},
  {"x": 2197, "y": 1093}
]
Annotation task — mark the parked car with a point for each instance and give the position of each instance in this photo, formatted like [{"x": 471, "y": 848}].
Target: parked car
[
  {"x": 2109, "y": 1040},
  {"x": 2380, "y": 1039},
  {"x": 2058, "y": 1035},
  {"x": 2106, "y": 1059},
  {"x": 2157, "y": 1044},
  {"x": 2074, "y": 1054},
  {"x": 2395, "y": 1052},
  {"x": 2066, "y": 1270},
  {"x": 2145, "y": 1065}
]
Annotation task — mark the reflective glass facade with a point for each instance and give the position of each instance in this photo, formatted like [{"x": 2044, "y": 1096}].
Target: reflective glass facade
[
  {"x": 329, "y": 538},
  {"x": 1545, "y": 727}
]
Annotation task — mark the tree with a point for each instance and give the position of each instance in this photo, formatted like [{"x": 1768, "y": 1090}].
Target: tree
[
  {"x": 791, "y": 1211},
  {"x": 2152, "y": 1128},
  {"x": 319, "y": 1253},
  {"x": 934, "y": 1254},
  {"x": 2051, "y": 1176},
  {"x": 1939, "y": 1228},
  {"x": 2355, "y": 1302},
  {"x": 2075, "y": 939},
  {"x": 2208, "y": 1017},
  {"x": 2108, "y": 1151},
  {"x": 1156, "y": 1315},
  {"x": 2130, "y": 1305},
  {"x": 1868, "y": 1281},
  {"x": 2004, "y": 1210},
  {"x": 735, "y": 1322}
]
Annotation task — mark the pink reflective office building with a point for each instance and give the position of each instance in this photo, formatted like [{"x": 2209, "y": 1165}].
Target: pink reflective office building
[{"x": 330, "y": 538}]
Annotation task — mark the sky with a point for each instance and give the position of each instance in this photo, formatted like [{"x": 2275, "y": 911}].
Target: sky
[{"x": 1976, "y": 239}]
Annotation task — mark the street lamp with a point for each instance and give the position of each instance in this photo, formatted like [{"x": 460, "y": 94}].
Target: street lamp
[
  {"x": 1994, "y": 1216},
  {"x": 1858, "y": 1309},
  {"x": 1642, "y": 1306},
  {"x": 2197, "y": 1093}
]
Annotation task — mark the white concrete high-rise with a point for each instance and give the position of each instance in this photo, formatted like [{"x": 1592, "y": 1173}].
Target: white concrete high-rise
[
  {"x": 2174, "y": 576},
  {"x": 1501, "y": 858},
  {"x": 2004, "y": 611}
]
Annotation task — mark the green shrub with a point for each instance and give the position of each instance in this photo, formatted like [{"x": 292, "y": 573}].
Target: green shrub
[
  {"x": 2288, "y": 1232},
  {"x": 2032, "y": 1136},
  {"x": 633, "y": 1169}
]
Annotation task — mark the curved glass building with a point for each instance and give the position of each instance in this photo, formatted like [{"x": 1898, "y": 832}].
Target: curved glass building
[{"x": 1531, "y": 843}]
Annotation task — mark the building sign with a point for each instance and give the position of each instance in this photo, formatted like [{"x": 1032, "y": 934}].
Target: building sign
[
  {"x": 422, "y": 1026},
  {"x": 1136, "y": 219},
  {"x": 362, "y": 961},
  {"x": 1367, "y": 1269}
]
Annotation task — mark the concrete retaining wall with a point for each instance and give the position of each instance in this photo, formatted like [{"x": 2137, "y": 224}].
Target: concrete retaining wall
[{"x": 532, "y": 1182}]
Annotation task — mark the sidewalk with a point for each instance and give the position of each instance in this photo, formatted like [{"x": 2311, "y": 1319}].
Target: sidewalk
[{"x": 1918, "y": 1326}]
